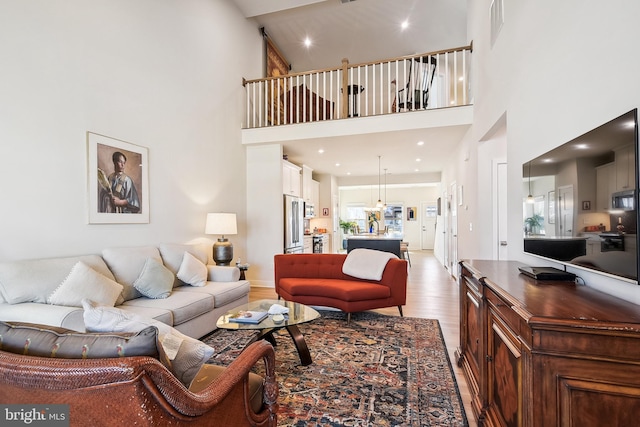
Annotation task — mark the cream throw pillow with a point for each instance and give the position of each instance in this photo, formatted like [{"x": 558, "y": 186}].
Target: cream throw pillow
[
  {"x": 181, "y": 354},
  {"x": 155, "y": 280},
  {"x": 84, "y": 282},
  {"x": 192, "y": 271}
]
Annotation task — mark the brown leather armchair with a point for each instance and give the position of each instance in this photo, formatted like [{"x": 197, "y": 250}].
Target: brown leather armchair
[{"x": 141, "y": 391}]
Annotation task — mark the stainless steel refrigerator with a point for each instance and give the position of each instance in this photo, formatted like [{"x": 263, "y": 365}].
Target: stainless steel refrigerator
[{"x": 293, "y": 226}]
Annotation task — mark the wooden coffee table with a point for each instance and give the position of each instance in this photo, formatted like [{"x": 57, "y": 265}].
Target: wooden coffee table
[{"x": 298, "y": 313}]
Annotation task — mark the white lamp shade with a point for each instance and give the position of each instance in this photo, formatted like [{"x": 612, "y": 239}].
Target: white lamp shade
[{"x": 221, "y": 223}]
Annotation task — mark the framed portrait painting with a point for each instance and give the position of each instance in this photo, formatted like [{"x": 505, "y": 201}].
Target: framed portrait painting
[
  {"x": 411, "y": 213},
  {"x": 118, "y": 181}
]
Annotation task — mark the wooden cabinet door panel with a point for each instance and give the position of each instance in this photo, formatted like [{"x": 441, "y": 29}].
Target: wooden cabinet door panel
[
  {"x": 471, "y": 354},
  {"x": 593, "y": 404},
  {"x": 474, "y": 332},
  {"x": 587, "y": 392},
  {"x": 504, "y": 375}
]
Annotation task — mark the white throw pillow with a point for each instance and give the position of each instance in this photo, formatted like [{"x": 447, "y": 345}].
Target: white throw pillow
[
  {"x": 172, "y": 254},
  {"x": 126, "y": 265},
  {"x": 155, "y": 280},
  {"x": 84, "y": 282},
  {"x": 192, "y": 271},
  {"x": 184, "y": 355}
]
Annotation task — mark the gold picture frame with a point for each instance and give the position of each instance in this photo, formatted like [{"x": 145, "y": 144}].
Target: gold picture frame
[
  {"x": 117, "y": 197},
  {"x": 411, "y": 213}
]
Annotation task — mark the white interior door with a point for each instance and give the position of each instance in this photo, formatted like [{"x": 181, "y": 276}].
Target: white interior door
[
  {"x": 500, "y": 185},
  {"x": 446, "y": 213},
  {"x": 453, "y": 230},
  {"x": 565, "y": 200},
  {"x": 428, "y": 218}
]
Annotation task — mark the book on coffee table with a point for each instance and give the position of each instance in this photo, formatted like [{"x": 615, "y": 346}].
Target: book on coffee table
[{"x": 248, "y": 316}]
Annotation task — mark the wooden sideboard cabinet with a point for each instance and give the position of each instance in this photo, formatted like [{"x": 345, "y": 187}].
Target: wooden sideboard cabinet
[{"x": 546, "y": 353}]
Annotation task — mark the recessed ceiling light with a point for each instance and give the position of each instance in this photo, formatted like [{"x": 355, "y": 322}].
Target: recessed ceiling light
[
  {"x": 337, "y": 164},
  {"x": 416, "y": 170},
  {"x": 461, "y": 78},
  {"x": 404, "y": 25},
  {"x": 348, "y": 173},
  {"x": 321, "y": 151},
  {"x": 420, "y": 142},
  {"x": 307, "y": 42},
  {"x": 418, "y": 160},
  {"x": 582, "y": 146}
]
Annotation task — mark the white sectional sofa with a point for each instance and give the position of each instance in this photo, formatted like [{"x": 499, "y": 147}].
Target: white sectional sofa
[{"x": 28, "y": 288}]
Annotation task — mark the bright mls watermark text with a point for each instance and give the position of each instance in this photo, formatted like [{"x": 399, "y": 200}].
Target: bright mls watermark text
[{"x": 34, "y": 415}]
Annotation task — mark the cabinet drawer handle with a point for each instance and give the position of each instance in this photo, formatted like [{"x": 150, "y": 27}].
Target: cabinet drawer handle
[
  {"x": 500, "y": 305},
  {"x": 489, "y": 358}
]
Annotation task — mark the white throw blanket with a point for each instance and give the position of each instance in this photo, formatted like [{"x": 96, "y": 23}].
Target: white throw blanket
[{"x": 366, "y": 264}]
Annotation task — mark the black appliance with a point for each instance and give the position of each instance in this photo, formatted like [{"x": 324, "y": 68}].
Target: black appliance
[
  {"x": 317, "y": 244},
  {"x": 611, "y": 241},
  {"x": 614, "y": 143},
  {"x": 624, "y": 200}
]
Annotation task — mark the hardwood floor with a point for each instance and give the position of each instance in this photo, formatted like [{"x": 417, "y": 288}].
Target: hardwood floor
[{"x": 432, "y": 294}]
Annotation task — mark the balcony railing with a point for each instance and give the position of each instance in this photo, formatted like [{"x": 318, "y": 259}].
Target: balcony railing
[{"x": 409, "y": 83}]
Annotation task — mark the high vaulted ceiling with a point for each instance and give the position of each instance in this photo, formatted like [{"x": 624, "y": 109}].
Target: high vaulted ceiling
[
  {"x": 360, "y": 30},
  {"x": 363, "y": 31}
]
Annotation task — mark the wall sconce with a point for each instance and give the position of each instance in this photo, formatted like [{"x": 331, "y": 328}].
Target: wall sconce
[{"x": 222, "y": 224}]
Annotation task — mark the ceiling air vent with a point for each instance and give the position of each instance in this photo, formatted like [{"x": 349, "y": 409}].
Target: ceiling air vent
[{"x": 346, "y": 1}]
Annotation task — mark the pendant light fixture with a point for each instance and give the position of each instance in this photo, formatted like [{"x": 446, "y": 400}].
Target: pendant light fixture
[
  {"x": 379, "y": 204},
  {"x": 530, "y": 198},
  {"x": 385, "y": 190}
]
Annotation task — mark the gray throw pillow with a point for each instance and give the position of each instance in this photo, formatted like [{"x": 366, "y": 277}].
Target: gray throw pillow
[
  {"x": 155, "y": 280},
  {"x": 51, "y": 341}
]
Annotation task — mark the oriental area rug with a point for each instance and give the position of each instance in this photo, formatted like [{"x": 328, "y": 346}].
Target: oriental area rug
[{"x": 376, "y": 370}]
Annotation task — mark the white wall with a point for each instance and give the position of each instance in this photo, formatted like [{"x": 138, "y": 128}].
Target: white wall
[
  {"x": 265, "y": 211},
  {"x": 557, "y": 70},
  {"x": 165, "y": 75}
]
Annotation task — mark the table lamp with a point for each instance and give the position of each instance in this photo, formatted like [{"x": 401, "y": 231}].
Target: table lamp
[{"x": 222, "y": 224}]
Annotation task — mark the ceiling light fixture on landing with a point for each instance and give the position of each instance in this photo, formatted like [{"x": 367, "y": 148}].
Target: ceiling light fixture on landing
[
  {"x": 379, "y": 204},
  {"x": 530, "y": 198}
]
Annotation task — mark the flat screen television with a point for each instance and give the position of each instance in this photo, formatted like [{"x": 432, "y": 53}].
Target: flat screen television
[{"x": 580, "y": 200}]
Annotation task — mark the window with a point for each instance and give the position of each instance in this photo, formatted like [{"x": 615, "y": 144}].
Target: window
[
  {"x": 356, "y": 213},
  {"x": 393, "y": 219}
]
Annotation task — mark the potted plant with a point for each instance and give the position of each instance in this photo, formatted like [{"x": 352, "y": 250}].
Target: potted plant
[
  {"x": 534, "y": 223},
  {"x": 347, "y": 227}
]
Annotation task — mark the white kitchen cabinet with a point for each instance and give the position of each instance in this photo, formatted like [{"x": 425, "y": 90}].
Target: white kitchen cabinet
[
  {"x": 307, "y": 245},
  {"x": 605, "y": 186},
  {"x": 325, "y": 244},
  {"x": 625, "y": 168},
  {"x": 593, "y": 243},
  {"x": 290, "y": 179},
  {"x": 307, "y": 189},
  {"x": 315, "y": 196}
]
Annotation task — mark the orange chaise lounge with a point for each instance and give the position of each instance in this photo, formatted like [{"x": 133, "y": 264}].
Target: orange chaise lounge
[{"x": 318, "y": 280}]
